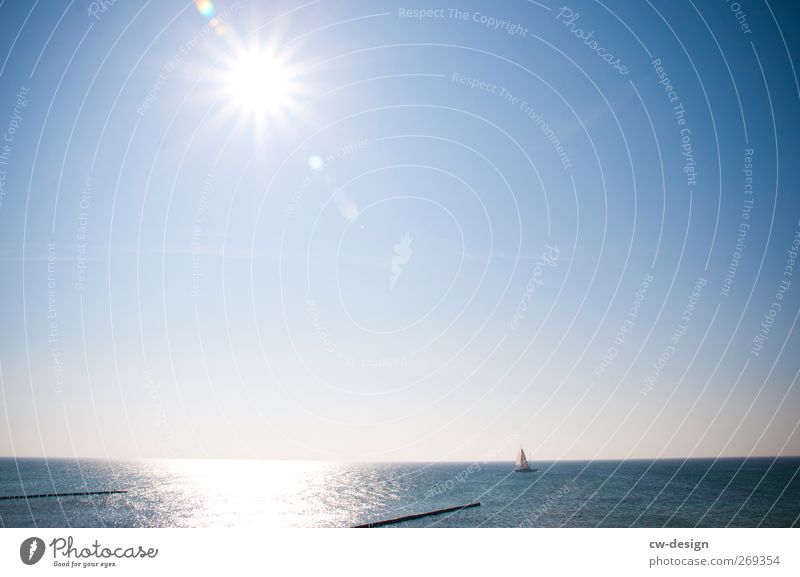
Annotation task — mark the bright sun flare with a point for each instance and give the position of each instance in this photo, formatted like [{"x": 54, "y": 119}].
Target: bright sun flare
[{"x": 260, "y": 84}]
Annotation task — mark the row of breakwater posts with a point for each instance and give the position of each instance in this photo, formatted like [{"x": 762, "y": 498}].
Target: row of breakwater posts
[
  {"x": 364, "y": 526},
  {"x": 78, "y": 494},
  {"x": 415, "y": 516}
]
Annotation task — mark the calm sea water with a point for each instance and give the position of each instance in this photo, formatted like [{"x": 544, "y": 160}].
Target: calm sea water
[{"x": 185, "y": 493}]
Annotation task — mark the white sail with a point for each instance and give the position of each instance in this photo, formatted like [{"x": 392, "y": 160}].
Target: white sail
[{"x": 522, "y": 461}]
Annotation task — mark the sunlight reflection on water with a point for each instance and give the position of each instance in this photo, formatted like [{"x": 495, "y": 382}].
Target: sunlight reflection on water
[{"x": 206, "y": 493}]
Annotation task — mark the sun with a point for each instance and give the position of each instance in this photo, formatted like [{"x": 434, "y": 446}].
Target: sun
[{"x": 259, "y": 85}]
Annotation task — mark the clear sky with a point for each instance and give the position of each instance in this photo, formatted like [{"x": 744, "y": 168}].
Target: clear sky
[{"x": 381, "y": 231}]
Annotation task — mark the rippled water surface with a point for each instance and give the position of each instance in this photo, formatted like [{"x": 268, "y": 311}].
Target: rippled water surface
[{"x": 187, "y": 493}]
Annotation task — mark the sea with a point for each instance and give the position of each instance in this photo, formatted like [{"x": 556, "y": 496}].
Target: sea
[{"x": 753, "y": 492}]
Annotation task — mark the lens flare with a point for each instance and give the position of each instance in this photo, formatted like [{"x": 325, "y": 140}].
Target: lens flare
[
  {"x": 316, "y": 163},
  {"x": 206, "y": 8}
]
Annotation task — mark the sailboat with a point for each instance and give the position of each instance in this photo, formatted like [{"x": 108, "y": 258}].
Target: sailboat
[{"x": 522, "y": 463}]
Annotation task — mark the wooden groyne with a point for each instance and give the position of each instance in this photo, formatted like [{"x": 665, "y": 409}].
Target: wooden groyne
[
  {"x": 415, "y": 516},
  {"x": 79, "y": 494}
]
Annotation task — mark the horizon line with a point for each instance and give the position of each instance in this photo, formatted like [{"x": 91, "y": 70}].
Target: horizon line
[{"x": 408, "y": 461}]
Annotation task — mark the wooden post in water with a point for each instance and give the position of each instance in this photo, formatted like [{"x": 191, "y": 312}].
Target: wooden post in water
[{"x": 415, "y": 516}]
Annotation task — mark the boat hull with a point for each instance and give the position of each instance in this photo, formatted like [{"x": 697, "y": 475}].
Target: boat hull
[{"x": 525, "y": 470}]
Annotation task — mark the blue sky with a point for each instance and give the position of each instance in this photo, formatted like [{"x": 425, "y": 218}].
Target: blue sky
[{"x": 399, "y": 232}]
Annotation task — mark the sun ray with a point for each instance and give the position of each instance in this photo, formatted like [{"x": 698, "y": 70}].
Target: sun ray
[{"x": 258, "y": 85}]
